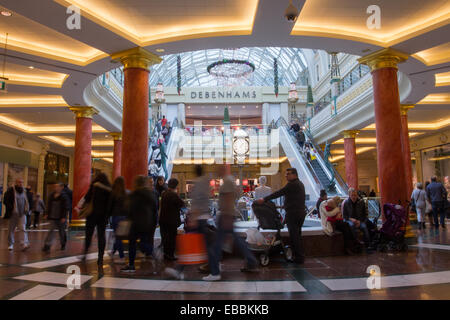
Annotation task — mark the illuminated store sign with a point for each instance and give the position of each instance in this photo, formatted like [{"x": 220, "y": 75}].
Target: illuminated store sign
[{"x": 225, "y": 94}]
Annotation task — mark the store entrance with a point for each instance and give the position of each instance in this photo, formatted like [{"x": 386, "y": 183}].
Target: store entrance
[{"x": 213, "y": 114}]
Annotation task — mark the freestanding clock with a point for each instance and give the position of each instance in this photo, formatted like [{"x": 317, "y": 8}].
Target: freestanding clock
[{"x": 241, "y": 145}]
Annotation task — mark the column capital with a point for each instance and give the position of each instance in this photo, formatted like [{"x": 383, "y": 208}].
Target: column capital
[
  {"x": 385, "y": 58},
  {"x": 136, "y": 58},
  {"x": 350, "y": 134},
  {"x": 404, "y": 108},
  {"x": 84, "y": 112},
  {"x": 116, "y": 135}
]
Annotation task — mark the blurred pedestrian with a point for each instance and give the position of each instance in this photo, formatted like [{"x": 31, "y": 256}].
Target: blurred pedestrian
[
  {"x": 227, "y": 201},
  {"x": 38, "y": 208},
  {"x": 169, "y": 218},
  {"x": 98, "y": 193},
  {"x": 140, "y": 207},
  {"x": 57, "y": 213},
  {"x": 198, "y": 217},
  {"x": 117, "y": 211},
  {"x": 30, "y": 197},
  {"x": 17, "y": 207}
]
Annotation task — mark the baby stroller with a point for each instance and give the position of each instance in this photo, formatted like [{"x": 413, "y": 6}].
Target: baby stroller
[
  {"x": 269, "y": 218},
  {"x": 392, "y": 232}
]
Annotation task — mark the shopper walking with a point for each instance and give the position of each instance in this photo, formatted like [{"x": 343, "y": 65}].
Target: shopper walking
[
  {"x": 437, "y": 195},
  {"x": 30, "y": 197},
  {"x": 17, "y": 207},
  {"x": 419, "y": 196},
  {"x": 294, "y": 205},
  {"x": 198, "y": 217},
  {"x": 225, "y": 225},
  {"x": 169, "y": 218},
  {"x": 140, "y": 207},
  {"x": 117, "y": 212},
  {"x": 38, "y": 209},
  {"x": 69, "y": 194},
  {"x": 98, "y": 193},
  {"x": 57, "y": 213}
]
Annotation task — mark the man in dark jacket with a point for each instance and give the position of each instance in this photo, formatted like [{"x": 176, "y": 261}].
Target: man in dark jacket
[
  {"x": 169, "y": 218},
  {"x": 17, "y": 207},
  {"x": 30, "y": 196},
  {"x": 58, "y": 209},
  {"x": 437, "y": 195},
  {"x": 355, "y": 214},
  {"x": 294, "y": 204},
  {"x": 141, "y": 206},
  {"x": 69, "y": 194}
]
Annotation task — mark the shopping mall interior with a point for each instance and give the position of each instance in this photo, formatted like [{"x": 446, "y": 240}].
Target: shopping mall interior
[{"x": 139, "y": 87}]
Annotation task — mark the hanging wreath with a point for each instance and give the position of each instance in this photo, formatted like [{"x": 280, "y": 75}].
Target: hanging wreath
[
  {"x": 275, "y": 76},
  {"x": 179, "y": 75}
]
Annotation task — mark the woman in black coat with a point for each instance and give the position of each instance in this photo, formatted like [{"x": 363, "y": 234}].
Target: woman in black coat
[{"x": 98, "y": 193}]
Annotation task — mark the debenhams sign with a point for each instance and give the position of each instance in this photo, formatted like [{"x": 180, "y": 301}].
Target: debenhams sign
[{"x": 221, "y": 94}]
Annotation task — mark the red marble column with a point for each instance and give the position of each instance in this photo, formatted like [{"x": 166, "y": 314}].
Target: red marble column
[
  {"x": 351, "y": 161},
  {"x": 406, "y": 148},
  {"x": 82, "y": 155},
  {"x": 135, "y": 125},
  {"x": 136, "y": 62},
  {"x": 117, "y": 154},
  {"x": 391, "y": 171}
]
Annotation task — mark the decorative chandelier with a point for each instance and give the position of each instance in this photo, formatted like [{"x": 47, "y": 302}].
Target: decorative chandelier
[{"x": 231, "y": 72}]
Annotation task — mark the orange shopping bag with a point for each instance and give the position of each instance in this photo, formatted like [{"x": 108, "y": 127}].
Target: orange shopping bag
[{"x": 191, "y": 248}]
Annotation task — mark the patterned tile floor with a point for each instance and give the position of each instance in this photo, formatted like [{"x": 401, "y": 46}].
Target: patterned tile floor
[{"x": 421, "y": 273}]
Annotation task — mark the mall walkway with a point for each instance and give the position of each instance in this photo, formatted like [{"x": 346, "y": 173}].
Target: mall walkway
[{"x": 421, "y": 273}]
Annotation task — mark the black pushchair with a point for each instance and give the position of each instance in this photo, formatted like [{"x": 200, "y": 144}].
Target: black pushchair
[
  {"x": 269, "y": 218},
  {"x": 392, "y": 232}
]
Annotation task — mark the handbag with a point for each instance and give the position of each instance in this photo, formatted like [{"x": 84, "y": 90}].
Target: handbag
[
  {"x": 123, "y": 229},
  {"x": 86, "y": 210}
]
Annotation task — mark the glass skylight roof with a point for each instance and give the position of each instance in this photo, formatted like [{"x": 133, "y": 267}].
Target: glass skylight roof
[{"x": 291, "y": 62}]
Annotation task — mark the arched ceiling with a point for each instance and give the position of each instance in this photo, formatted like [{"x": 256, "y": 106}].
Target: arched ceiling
[{"x": 291, "y": 62}]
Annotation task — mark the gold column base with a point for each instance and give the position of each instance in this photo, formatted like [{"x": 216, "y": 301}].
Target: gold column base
[{"x": 78, "y": 223}]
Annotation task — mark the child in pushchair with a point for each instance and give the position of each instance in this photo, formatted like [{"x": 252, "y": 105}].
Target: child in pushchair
[
  {"x": 392, "y": 232},
  {"x": 268, "y": 218}
]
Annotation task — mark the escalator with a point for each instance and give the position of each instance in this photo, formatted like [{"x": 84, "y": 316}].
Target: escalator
[
  {"x": 316, "y": 174},
  {"x": 168, "y": 149}
]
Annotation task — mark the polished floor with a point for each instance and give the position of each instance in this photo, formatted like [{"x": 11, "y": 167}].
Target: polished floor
[{"x": 421, "y": 273}]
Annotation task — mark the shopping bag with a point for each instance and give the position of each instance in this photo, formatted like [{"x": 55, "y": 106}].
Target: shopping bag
[
  {"x": 191, "y": 249},
  {"x": 123, "y": 229}
]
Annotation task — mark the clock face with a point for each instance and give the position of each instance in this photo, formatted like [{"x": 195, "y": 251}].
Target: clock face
[{"x": 240, "y": 146}]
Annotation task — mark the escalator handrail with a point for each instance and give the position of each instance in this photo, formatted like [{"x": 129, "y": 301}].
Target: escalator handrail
[
  {"x": 334, "y": 172},
  {"x": 308, "y": 164}
]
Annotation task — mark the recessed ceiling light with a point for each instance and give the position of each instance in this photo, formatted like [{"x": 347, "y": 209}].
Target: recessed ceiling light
[
  {"x": 243, "y": 107},
  {"x": 189, "y": 107},
  {"x": 31, "y": 67},
  {"x": 160, "y": 50},
  {"x": 257, "y": 107},
  {"x": 6, "y": 13}
]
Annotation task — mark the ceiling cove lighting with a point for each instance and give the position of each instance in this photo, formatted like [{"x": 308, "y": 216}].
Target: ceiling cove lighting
[
  {"x": 43, "y": 129},
  {"x": 113, "y": 18},
  {"x": 442, "y": 79}
]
